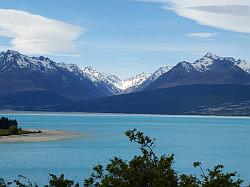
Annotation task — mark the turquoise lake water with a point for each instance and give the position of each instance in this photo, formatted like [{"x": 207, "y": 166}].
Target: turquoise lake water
[{"x": 211, "y": 140}]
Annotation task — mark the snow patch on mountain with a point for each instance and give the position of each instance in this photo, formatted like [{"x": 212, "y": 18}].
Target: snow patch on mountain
[
  {"x": 186, "y": 66},
  {"x": 93, "y": 74},
  {"x": 155, "y": 75},
  {"x": 205, "y": 63},
  {"x": 17, "y": 60},
  {"x": 243, "y": 65},
  {"x": 134, "y": 81},
  {"x": 97, "y": 76}
]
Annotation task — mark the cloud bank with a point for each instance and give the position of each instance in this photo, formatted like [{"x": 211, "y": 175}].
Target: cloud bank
[
  {"x": 232, "y": 15},
  {"x": 34, "y": 34},
  {"x": 202, "y": 34}
]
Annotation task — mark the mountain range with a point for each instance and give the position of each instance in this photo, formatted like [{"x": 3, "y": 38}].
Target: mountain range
[
  {"x": 20, "y": 73},
  {"x": 39, "y": 83}
]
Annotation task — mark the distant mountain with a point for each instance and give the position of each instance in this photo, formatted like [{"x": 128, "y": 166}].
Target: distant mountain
[
  {"x": 210, "y": 69},
  {"x": 131, "y": 84},
  {"x": 140, "y": 81},
  {"x": 197, "y": 99},
  {"x": 115, "y": 84},
  {"x": 20, "y": 73},
  {"x": 102, "y": 80},
  {"x": 155, "y": 75}
]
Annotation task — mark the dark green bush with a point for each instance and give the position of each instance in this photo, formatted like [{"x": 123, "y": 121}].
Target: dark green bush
[
  {"x": 150, "y": 170},
  {"x": 60, "y": 181},
  {"x": 13, "y": 130}
]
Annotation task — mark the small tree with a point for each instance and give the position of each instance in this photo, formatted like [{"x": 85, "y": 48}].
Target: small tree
[
  {"x": 13, "y": 130},
  {"x": 6, "y": 123}
]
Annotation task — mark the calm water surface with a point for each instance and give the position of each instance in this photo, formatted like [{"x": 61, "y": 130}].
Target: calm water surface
[{"x": 212, "y": 140}]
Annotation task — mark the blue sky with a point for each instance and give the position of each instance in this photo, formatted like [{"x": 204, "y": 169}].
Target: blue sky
[{"x": 125, "y": 37}]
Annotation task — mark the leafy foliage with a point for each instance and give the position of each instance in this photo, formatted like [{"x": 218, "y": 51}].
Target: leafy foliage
[
  {"x": 2, "y": 183},
  {"x": 60, "y": 181},
  {"x": 6, "y": 123},
  {"x": 22, "y": 181},
  {"x": 149, "y": 170}
]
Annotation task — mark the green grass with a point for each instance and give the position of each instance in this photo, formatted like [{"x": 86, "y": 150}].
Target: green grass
[{"x": 5, "y": 132}]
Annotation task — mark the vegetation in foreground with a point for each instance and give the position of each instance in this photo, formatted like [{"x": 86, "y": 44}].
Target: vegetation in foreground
[
  {"x": 10, "y": 127},
  {"x": 143, "y": 170}
]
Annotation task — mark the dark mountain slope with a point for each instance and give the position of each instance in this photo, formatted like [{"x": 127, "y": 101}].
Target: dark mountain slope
[
  {"x": 28, "y": 100},
  {"x": 190, "y": 99}
]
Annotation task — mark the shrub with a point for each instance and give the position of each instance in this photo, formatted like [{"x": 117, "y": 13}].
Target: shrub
[
  {"x": 2, "y": 183},
  {"x": 60, "y": 181},
  {"x": 13, "y": 130},
  {"x": 150, "y": 170}
]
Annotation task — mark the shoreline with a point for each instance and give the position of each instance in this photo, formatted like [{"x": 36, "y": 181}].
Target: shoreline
[
  {"x": 18, "y": 112},
  {"x": 44, "y": 136}
]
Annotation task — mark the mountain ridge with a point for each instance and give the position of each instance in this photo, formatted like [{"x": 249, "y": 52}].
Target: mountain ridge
[
  {"x": 22, "y": 73},
  {"x": 207, "y": 70}
]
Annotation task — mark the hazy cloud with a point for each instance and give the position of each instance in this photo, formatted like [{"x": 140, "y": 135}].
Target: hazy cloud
[
  {"x": 35, "y": 34},
  {"x": 232, "y": 15},
  {"x": 202, "y": 34}
]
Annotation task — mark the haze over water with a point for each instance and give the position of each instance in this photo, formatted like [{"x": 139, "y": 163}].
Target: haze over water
[{"x": 211, "y": 140}]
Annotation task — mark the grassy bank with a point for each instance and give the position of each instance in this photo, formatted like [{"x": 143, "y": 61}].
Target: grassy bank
[{"x": 5, "y": 132}]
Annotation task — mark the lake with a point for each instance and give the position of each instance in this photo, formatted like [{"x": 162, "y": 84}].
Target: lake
[{"x": 211, "y": 140}]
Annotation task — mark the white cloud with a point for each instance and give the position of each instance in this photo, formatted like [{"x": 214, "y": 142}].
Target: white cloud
[
  {"x": 34, "y": 34},
  {"x": 232, "y": 15},
  {"x": 202, "y": 34}
]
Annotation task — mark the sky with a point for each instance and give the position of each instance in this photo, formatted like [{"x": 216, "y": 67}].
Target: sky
[{"x": 126, "y": 37}]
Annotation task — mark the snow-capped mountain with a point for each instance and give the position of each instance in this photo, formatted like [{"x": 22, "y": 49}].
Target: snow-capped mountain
[
  {"x": 134, "y": 81},
  {"x": 105, "y": 84},
  {"x": 205, "y": 63},
  {"x": 14, "y": 59},
  {"x": 210, "y": 69},
  {"x": 152, "y": 77},
  {"x": 22, "y": 73},
  {"x": 102, "y": 79},
  {"x": 155, "y": 75},
  {"x": 243, "y": 65},
  {"x": 117, "y": 84}
]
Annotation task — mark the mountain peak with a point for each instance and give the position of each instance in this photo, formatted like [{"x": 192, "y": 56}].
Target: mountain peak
[
  {"x": 211, "y": 55},
  {"x": 42, "y": 58},
  {"x": 186, "y": 66},
  {"x": 89, "y": 69},
  {"x": 9, "y": 54},
  {"x": 206, "y": 61},
  {"x": 12, "y": 52}
]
